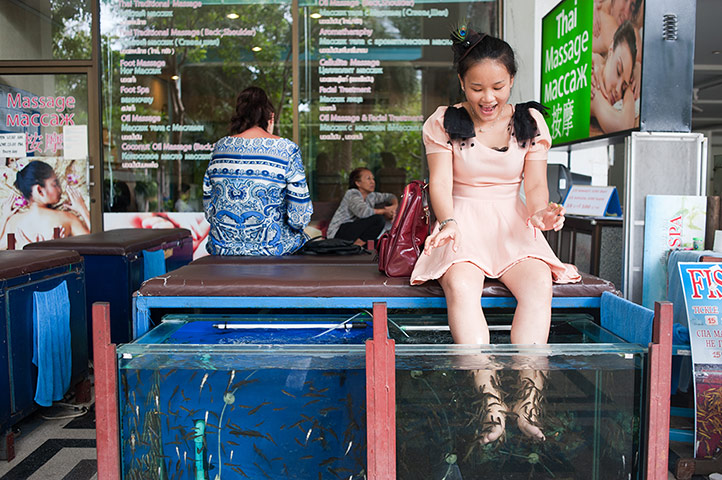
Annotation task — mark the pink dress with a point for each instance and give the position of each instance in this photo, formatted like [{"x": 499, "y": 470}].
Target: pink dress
[{"x": 488, "y": 210}]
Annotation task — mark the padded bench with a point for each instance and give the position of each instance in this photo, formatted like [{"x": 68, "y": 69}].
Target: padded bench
[
  {"x": 317, "y": 282},
  {"x": 115, "y": 266},
  {"x": 21, "y": 275}
]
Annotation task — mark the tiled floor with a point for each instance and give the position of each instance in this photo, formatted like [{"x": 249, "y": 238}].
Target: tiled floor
[{"x": 55, "y": 449}]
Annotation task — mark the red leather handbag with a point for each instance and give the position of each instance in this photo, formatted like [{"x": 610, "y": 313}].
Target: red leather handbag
[{"x": 400, "y": 247}]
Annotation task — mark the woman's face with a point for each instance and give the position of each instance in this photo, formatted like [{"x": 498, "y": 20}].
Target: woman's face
[
  {"x": 618, "y": 72},
  {"x": 487, "y": 85},
  {"x": 366, "y": 182},
  {"x": 49, "y": 193}
]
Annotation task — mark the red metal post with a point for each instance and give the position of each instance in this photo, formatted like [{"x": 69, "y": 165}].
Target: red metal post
[
  {"x": 381, "y": 399},
  {"x": 659, "y": 386},
  {"x": 106, "y": 395}
]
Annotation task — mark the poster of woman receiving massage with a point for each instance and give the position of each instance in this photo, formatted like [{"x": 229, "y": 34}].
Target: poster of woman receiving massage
[{"x": 591, "y": 67}]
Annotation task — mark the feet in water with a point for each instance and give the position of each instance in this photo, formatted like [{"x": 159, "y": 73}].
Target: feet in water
[
  {"x": 528, "y": 406},
  {"x": 493, "y": 411}
]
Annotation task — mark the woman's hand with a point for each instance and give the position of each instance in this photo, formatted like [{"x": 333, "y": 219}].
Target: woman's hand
[
  {"x": 8, "y": 207},
  {"x": 390, "y": 211},
  {"x": 549, "y": 218},
  {"x": 440, "y": 237}
]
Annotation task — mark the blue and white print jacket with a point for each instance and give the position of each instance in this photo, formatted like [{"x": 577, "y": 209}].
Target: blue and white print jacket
[{"x": 255, "y": 197}]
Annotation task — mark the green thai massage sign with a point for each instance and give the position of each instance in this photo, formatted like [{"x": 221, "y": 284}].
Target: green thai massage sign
[{"x": 567, "y": 68}]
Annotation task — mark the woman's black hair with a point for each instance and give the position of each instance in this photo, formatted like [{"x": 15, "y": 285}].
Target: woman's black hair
[
  {"x": 253, "y": 108},
  {"x": 34, "y": 173},
  {"x": 355, "y": 176},
  {"x": 625, "y": 34},
  {"x": 471, "y": 47}
]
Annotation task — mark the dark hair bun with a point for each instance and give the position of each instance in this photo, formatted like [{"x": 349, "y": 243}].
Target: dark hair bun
[{"x": 253, "y": 108}]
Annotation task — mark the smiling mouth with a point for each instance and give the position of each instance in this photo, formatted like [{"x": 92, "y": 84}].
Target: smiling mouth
[{"x": 487, "y": 109}]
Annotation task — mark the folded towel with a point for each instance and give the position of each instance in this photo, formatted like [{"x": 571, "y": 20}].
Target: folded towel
[
  {"x": 626, "y": 319},
  {"x": 51, "y": 344},
  {"x": 153, "y": 263}
]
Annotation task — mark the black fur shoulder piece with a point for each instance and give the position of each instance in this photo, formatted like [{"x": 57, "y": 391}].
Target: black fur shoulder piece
[
  {"x": 458, "y": 124},
  {"x": 525, "y": 127}
]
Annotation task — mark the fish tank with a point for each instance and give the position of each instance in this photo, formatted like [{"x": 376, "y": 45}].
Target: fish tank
[
  {"x": 219, "y": 397},
  {"x": 586, "y": 401},
  {"x": 284, "y": 397}
]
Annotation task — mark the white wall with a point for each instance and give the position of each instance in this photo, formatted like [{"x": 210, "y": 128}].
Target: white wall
[{"x": 522, "y": 29}]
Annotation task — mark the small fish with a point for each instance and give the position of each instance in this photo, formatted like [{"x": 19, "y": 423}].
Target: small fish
[
  {"x": 261, "y": 470},
  {"x": 278, "y": 409},
  {"x": 247, "y": 433},
  {"x": 258, "y": 407},
  {"x": 307, "y": 457},
  {"x": 259, "y": 423},
  {"x": 289, "y": 394},
  {"x": 203, "y": 382},
  {"x": 238, "y": 469},
  {"x": 329, "y": 460},
  {"x": 259, "y": 452},
  {"x": 348, "y": 448},
  {"x": 326, "y": 410},
  {"x": 311, "y": 402},
  {"x": 241, "y": 383}
]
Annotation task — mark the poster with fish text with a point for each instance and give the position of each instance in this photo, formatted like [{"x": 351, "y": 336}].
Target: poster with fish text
[{"x": 702, "y": 286}]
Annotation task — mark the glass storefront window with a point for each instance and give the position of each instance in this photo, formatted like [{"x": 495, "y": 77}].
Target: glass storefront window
[
  {"x": 43, "y": 157},
  {"x": 368, "y": 73},
  {"x": 45, "y": 30}
]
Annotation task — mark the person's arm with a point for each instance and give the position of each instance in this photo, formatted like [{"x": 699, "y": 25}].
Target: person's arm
[
  {"x": 298, "y": 200},
  {"x": 609, "y": 118},
  {"x": 358, "y": 206},
  {"x": 77, "y": 204},
  {"x": 441, "y": 181},
  {"x": 542, "y": 214}
]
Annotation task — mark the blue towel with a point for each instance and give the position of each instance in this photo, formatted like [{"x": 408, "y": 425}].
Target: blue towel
[
  {"x": 626, "y": 319},
  {"x": 153, "y": 263},
  {"x": 51, "y": 344}
]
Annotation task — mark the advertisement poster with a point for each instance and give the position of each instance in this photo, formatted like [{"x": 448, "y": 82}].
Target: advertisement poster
[
  {"x": 702, "y": 285},
  {"x": 671, "y": 222},
  {"x": 43, "y": 198},
  {"x": 193, "y": 221},
  {"x": 43, "y": 162},
  {"x": 591, "y": 68}
]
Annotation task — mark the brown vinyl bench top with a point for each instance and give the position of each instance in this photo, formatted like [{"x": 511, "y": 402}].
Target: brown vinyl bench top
[
  {"x": 14, "y": 263},
  {"x": 283, "y": 278},
  {"x": 122, "y": 241}
]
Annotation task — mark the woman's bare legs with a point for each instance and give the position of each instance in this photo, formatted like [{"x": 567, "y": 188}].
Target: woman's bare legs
[
  {"x": 463, "y": 284},
  {"x": 530, "y": 282}
]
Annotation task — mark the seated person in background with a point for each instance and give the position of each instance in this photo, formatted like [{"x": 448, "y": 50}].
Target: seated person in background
[
  {"x": 255, "y": 194},
  {"x": 612, "y": 102},
  {"x": 363, "y": 213}
]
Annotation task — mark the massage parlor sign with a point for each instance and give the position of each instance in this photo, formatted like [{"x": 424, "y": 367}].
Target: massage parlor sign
[
  {"x": 578, "y": 40},
  {"x": 702, "y": 285},
  {"x": 39, "y": 137}
]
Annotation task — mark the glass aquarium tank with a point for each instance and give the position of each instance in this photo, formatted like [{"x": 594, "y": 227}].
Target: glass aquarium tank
[
  {"x": 586, "y": 401},
  {"x": 284, "y": 397},
  {"x": 206, "y": 398}
]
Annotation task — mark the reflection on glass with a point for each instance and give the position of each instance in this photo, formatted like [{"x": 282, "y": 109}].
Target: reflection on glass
[
  {"x": 48, "y": 115},
  {"x": 170, "y": 80},
  {"x": 370, "y": 75},
  {"x": 45, "y": 30},
  {"x": 590, "y": 409},
  {"x": 206, "y": 400}
]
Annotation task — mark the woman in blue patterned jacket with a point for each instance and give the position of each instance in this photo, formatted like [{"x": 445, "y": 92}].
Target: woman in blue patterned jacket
[{"x": 255, "y": 193}]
